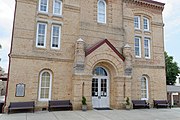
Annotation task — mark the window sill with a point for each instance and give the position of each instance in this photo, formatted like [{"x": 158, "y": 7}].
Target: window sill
[
  {"x": 144, "y": 98},
  {"x": 101, "y": 23},
  {"x": 147, "y": 58},
  {"x": 138, "y": 29},
  {"x": 147, "y": 31},
  {"x": 43, "y": 100},
  {"x": 43, "y": 13},
  {"x": 55, "y": 49},
  {"x": 56, "y": 15},
  {"x": 138, "y": 57},
  {"x": 40, "y": 47}
]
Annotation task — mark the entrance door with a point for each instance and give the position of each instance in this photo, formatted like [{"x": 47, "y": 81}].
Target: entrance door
[{"x": 100, "y": 89}]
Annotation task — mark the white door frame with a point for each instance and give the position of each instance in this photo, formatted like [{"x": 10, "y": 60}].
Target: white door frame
[{"x": 101, "y": 98}]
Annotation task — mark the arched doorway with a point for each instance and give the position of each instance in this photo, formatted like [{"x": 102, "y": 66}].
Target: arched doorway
[{"x": 100, "y": 88}]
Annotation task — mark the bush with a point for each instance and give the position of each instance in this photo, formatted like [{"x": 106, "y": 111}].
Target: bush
[
  {"x": 127, "y": 101},
  {"x": 84, "y": 101}
]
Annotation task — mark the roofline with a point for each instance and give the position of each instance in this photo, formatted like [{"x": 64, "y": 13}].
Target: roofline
[
  {"x": 152, "y": 3},
  {"x": 93, "y": 48},
  {"x": 155, "y": 2}
]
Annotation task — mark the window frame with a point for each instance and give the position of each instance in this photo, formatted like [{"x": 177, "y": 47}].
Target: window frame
[
  {"x": 57, "y": 14},
  {"x": 147, "y": 88},
  {"x": 139, "y": 38},
  {"x": 50, "y": 86},
  {"x": 147, "y": 29},
  {"x": 59, "y": 39},
  {"x": 139, "y": 22},
  {"x": 47, "y": 7},
  {"x": 37, "y": 35},
  {"x": 98, "y": 20},
  {"x": 149, "y": 47}
]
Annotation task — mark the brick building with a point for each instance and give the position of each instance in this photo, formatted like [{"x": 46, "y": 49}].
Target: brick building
[{"x": 105, "y": 50}]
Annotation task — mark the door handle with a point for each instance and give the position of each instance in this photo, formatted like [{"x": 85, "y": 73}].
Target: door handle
[{"x": 99, "y": 97}]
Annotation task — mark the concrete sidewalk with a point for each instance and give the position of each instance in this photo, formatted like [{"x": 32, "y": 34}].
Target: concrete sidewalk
[{"x": 138, "y": 114}]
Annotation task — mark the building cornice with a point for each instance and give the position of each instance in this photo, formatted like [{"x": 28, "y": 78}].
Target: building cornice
[{"x": 147, "y": 3}]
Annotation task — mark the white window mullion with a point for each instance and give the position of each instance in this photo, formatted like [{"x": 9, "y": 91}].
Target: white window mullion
[
  {"x": 137, "y": 22},
  {"x": 147, "y": 48},
  {"x": 101, "y": 12},
  {"x": 144, "y": 88},
  {"x": 55, "y": 36},
  {"x": 57, "y": 7},
  {"x": 41, "y": 35},
  {"x": 45, "y": 84},
  {"x": 137, "y": 46},
  {"x": 43, "y": 5},
  {"x": 146, "y": 24}
]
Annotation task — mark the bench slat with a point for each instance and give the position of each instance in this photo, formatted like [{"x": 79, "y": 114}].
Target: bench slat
[
  {"x": 21, "y": 105},
  {"x": 140, "y": 103},
  {"x": 161, "y": 103},
  {"x": 60, "y": 104}
]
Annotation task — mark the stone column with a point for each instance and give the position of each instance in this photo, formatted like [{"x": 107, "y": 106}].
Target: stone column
[
  {"x": 127, "y": 52},
  {"x": 81, "y": 80},
  {"x": 79, "y": 57}
]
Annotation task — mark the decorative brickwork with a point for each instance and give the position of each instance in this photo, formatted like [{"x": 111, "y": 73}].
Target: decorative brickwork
[{"x": 85, "y": 45}]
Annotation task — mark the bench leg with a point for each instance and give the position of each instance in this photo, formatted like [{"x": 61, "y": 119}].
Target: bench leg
[
  {"x": 9, "y": 111},
  {"x": 49, "y": 109}
]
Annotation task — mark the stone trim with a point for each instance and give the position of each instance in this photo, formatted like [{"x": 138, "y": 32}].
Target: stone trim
[
  {"x": 150, "y": 67},
  {"x": 49, "y": 21},
  {"x": 40, "y": 58}
]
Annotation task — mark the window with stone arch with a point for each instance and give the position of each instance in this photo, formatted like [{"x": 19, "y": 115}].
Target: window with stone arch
[
  {"x": 101, "y": 13},
  {"x": 144, "y": 88},
  {"x": 45, "y": 84}
]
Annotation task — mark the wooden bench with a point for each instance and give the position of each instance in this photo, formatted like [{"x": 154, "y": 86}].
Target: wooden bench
[
  {"x": 63, "y": 104},
  {"x": 161, "y": 103},
  {"x": 140, "y": 104},
  {"x": 1, "y": 106},
  {"x": 21, "y": 105}
]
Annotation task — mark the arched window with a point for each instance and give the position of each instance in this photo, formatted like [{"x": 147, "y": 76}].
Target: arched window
[
  {"x": 144, "y": 88},
  {"x": 101, "y": 16},
  {"x": 99, "y": 71},
  {"x": 45, "y": 85}
]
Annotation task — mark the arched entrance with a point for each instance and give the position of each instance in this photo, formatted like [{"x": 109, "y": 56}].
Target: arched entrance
[{"x": 100, "y": 88}]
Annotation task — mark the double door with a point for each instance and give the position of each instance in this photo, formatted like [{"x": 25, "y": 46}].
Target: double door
[{"x": 100, "y": 92}]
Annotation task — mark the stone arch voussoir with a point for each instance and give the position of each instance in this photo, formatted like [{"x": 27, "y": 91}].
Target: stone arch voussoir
[{"x": 92, "y": 61}]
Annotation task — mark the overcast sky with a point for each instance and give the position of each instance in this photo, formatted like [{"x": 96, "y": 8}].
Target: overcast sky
[{"x": 171, "y": 19}]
